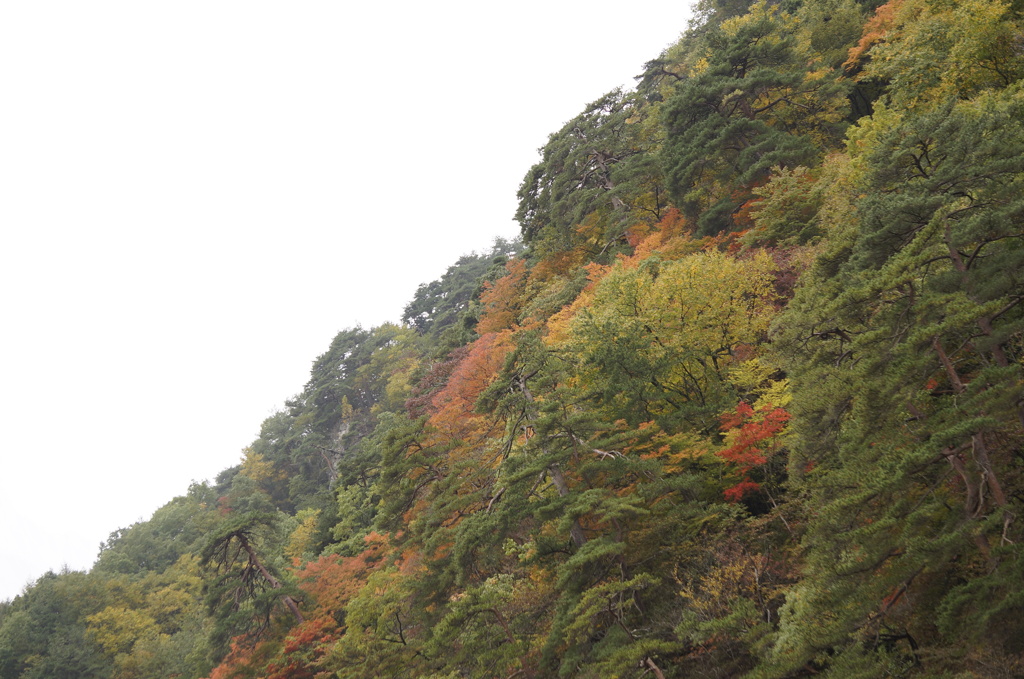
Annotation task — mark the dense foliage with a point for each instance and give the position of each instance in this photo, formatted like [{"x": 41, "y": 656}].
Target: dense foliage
[{"x": 746, "y": 400}]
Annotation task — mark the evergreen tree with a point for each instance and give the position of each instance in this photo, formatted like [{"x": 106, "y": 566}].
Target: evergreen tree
[
  {"x": 597, "y": 168},
  {"x": 750, "y": 106},
  {"x": 904, "y": 348}
]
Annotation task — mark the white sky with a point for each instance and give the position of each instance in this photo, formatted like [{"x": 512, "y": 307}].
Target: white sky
[{"x": 195, "y": 196}]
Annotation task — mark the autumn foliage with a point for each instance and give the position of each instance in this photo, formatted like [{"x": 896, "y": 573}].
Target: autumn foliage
[
  {"x": 753, "y": 438},
  {"x": 745, "y": 403}
]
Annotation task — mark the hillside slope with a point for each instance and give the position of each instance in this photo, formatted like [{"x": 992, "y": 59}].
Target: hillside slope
[{"x": 746, "y": 400}]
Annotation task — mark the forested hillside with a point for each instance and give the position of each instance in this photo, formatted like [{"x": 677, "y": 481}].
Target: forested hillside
[{"x": 746, "y": 400}]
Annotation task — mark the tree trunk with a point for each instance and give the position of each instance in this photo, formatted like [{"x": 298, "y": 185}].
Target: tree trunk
[
  {"x": 575, "y": 530},
  {"x": 269, "y": 577}
]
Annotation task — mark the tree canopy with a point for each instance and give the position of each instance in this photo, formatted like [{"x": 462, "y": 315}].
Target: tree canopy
[{"x": 746, "y": 400}]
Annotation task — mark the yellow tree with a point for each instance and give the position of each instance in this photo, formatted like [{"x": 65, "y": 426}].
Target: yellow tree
[{"x": 660, "y": 338}]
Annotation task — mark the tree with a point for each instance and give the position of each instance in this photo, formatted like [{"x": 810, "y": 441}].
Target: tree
[
  {"x": 244, "y": 589},
  {"x": 927, "y": 52},
  {"x": 175, "y": 529},
  {"x": 904, "y": 350},
  {"x": 659, "y": 338},
  {"x": 43, "y": 631},
  {"x": 443, "y": 310},
  {"x": 594, "y": 168},
  {"x": 751, "y": 106}
]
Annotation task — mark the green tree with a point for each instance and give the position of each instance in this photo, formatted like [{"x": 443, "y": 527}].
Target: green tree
[
  {"x": 43, "y": 631},
  {"x": 750, "y": 106},
  {"x": 243, "y": 589},
  {"x": 598, "y": 167},
  {"x": 443, "y": 310},
  {"x": 904, "y": 346},
  {"x": 175, "y": 529}
]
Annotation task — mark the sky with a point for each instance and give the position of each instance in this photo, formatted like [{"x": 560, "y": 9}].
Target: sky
[{"x": 195, "y": 196}]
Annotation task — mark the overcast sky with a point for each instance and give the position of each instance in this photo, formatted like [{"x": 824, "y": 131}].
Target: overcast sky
[{"x": 195, "y": 196}]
